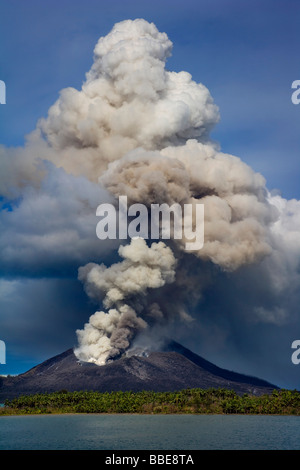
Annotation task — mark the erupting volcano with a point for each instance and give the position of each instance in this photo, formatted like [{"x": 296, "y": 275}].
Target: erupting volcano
[{"x": 138, "y": 130}]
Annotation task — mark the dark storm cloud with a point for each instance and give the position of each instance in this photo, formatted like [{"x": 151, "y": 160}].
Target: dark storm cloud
[{"x": 50, "y": 229}]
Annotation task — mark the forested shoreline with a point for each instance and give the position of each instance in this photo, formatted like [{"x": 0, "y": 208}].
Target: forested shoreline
[{"x": 189, "y": 401}]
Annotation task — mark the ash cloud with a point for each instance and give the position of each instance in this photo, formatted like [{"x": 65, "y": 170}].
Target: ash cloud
[
  {"x": 124, "y": 287},
  {"x": 140, "y": 130}
]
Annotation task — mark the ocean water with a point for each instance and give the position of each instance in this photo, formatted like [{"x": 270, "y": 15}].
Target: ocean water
[{"x": 149, "y": 432}]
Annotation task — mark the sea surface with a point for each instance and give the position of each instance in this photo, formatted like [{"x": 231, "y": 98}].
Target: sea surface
[{"x": 149, "y": 432}]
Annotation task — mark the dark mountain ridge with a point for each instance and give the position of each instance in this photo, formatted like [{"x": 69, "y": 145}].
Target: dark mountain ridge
[{"x": 174, "y": 368}]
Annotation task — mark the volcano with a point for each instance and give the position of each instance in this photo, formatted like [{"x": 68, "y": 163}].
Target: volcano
[{"x": 174, "y": 368}]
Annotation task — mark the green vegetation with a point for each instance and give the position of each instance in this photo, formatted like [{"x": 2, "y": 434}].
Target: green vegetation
[{"x": 212, "y": 401}]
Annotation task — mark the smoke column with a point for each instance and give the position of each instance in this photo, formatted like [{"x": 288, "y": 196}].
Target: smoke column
[
  {"x": 161, "y": 120},
  {"x": 136, "y": 129},
  {"x": 124, "y": 286}
]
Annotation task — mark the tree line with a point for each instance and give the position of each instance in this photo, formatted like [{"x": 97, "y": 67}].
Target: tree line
[{"x": 198, "y": 401}]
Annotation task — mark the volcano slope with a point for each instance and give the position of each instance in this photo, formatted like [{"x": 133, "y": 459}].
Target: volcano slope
[{"x": 174, "y": 368}]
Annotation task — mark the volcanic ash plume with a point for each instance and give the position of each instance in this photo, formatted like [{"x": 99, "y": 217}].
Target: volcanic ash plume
[
  {"x": 128, "y": 100},
  {"x": 123, "y": 287},
  {"x": 138, "y": 130},
  {"x": 151, "y": 131}
]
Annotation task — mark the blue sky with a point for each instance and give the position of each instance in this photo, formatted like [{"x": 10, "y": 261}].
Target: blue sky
[{"x": 245, "y": 52}]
